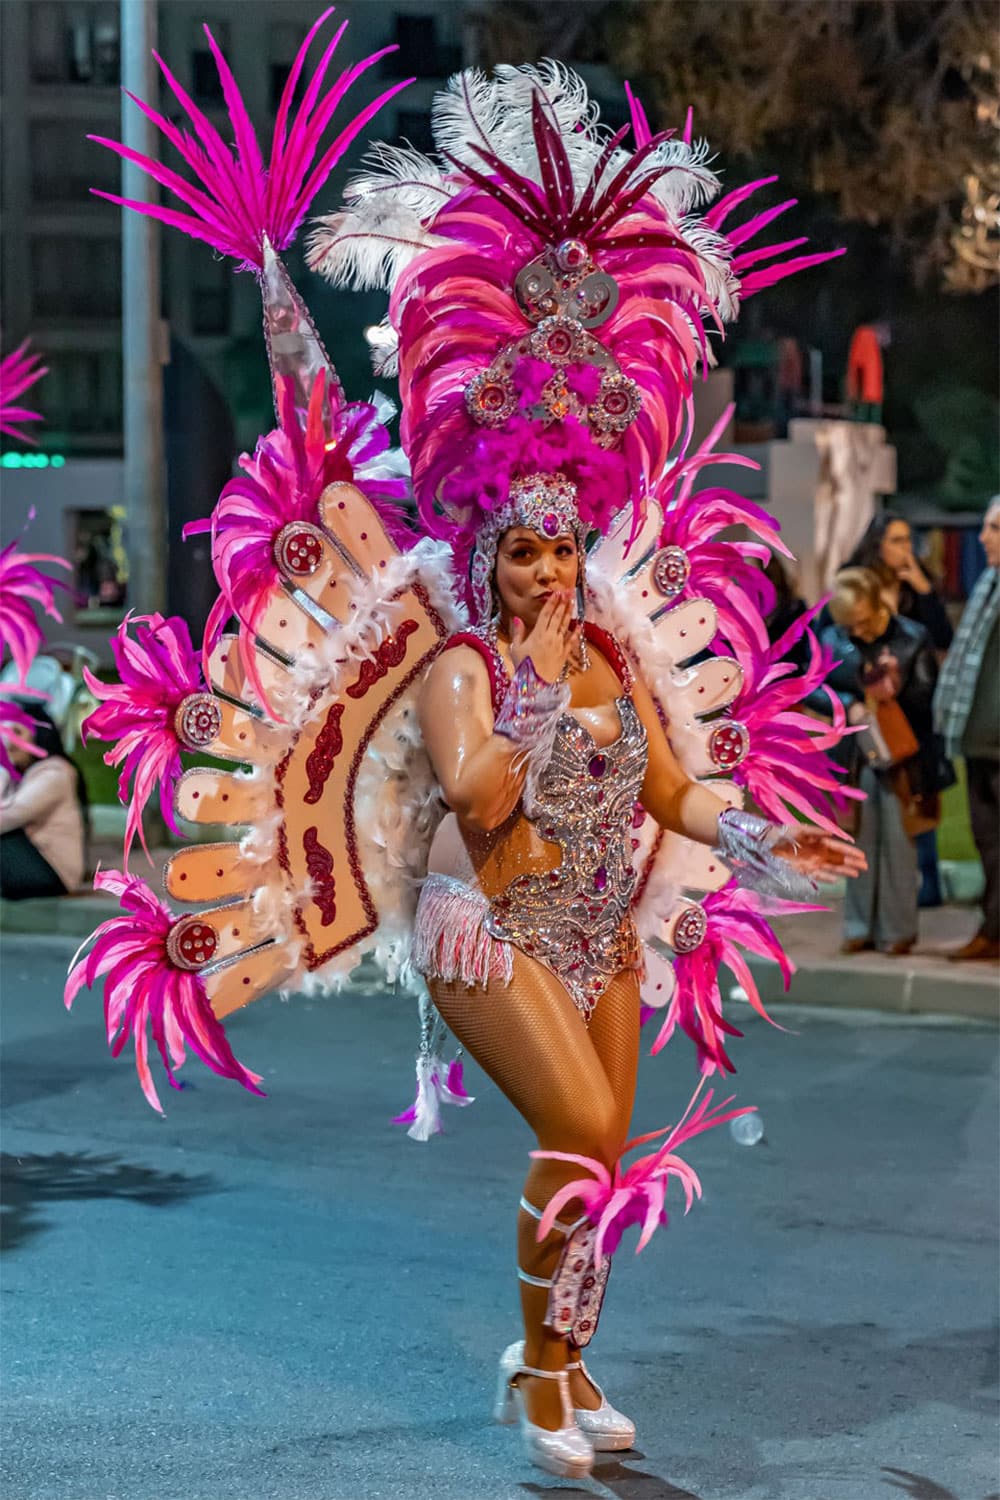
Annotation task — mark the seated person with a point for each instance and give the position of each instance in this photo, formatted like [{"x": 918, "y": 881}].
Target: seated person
[{"x": 42, "y": 818}]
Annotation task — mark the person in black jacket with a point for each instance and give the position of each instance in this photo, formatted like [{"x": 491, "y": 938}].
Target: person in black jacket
[
  {"x": 884, "y": 658},
  {"x": 887, "y": 549}
]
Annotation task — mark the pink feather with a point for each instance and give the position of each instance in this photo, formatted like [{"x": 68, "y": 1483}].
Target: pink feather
[
  {"x": 143, "y": 989},
  {"x": 16, "y": 730},
  {"x": 787, "y": 770},
  {"x": 158, "y": 668},
  {"x": 238, "y": 197},
  {"x": 735, "y": 922},
  {"x": 23, "y": 587},
  {"x": 617, "y": 1198},
  {"x": 18, "y": 371}
]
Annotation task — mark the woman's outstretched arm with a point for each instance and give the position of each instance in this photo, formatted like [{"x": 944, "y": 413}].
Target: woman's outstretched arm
[{"x": 681, "y": 805}]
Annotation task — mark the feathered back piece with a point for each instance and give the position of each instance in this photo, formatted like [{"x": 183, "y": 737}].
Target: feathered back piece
[{"x": 550, "y": 290}]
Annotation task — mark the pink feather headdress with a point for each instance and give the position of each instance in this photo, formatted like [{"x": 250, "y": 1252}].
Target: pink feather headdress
[
  {"x": 549, "y": 293},
  {"x": 16, "y": 729},
  {"x": 18, "y": 372}
]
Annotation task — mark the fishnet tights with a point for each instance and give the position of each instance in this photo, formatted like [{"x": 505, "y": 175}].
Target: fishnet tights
[{"x": 573, "y": 1084}]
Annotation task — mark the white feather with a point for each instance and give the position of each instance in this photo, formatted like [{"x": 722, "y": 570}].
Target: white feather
[{"x": 467, "y": 112}]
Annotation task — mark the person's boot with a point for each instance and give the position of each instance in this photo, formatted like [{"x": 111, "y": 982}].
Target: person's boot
[{"x": 978, "y": 949}]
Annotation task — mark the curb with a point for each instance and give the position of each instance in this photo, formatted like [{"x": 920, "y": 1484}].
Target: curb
[{"x": 921, "y": 987}]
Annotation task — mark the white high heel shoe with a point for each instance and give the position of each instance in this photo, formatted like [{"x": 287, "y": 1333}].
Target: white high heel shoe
[
  {"x": 609, "y": 1431},
  {"x": 566, "y": 1452}
]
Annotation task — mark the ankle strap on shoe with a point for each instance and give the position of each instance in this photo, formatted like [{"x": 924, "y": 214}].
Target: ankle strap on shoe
[
  {"x": 558, "y": 1226},
  {"x": 541, "y": 1374}
]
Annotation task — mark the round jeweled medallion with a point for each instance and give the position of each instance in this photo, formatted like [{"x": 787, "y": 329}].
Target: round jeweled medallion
[
  {"x": 728, "y": 744},
  {"x": 198, "y": 720},
  {"x": 617, "y": 405},
  {"x": 298, "y": 549},
  {"x": 191, "y": 943},
  {"x": 689, "y": 929},
  {"x": 557, "y": 340},
  {"x": 490, "y": 399},
  {"x": 572, "y": 255},
  {"x": 671, "y": 571}
]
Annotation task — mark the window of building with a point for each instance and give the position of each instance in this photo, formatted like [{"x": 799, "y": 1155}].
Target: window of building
[
  {"x": 64, "y": 165},
  {"x": 414, "y": 126},
  {"x": 284, "y": 40},
  {"x": 76, "y": 276},
  {"x": 81, "y": 396},
  {"x": 206, "y": 84},
  {"x": 211, "y": 292},
  {"x": 74, "y": 42},
  {"x": 420, "y": 51},
  {"x": 97, "y": 552}
]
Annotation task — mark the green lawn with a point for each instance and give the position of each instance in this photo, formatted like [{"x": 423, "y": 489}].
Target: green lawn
[{"x": 955, "y": 834}]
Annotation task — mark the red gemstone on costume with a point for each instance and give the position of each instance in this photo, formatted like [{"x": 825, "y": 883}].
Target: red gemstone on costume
[
  {"x": 690, "y": 929},
  {"x": 490, "y": 399},
  {"x": 671, "y": 571},
  {"x": 191, "y": 943},
  {"x": 298, "y": 549},
  {"x": 571, "y": 255},
  {"x": 197, "y": 720},
  {"x": 601, "y": 878},
  {"x": 550, "y": 524},
  {"x": 597, "y": 765},
  {"x": 729, "y": 744}
]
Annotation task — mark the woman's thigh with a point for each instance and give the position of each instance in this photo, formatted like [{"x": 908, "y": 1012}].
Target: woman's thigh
[
  {"x": 532, "y": 1041},
  {"x": 614, "y": 1032}
]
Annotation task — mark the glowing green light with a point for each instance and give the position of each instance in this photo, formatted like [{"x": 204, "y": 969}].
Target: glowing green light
[{"x": 32, "y": 460}]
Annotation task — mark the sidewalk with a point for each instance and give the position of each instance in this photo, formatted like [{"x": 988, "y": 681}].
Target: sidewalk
[{"x": 923, "y": 982}]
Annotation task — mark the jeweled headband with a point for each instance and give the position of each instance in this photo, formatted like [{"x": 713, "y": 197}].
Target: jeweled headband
[{"x": 545, "y": 504}]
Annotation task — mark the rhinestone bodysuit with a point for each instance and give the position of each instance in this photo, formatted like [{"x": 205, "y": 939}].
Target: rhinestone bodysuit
[{"x": 575, "y": 918}]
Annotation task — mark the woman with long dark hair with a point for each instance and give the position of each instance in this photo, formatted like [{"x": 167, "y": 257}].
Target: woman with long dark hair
[
  {"x": 886, "y": 549},
  {"x": 43, "y": 817}
]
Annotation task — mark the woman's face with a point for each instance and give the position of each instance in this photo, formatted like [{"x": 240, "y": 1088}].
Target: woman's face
[
  {"x": 896, "y": 550},
  {"x": 531, "y": 567}
]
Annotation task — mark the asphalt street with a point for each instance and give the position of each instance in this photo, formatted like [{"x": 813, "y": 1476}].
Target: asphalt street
[{"x": 286, "y": 1299}]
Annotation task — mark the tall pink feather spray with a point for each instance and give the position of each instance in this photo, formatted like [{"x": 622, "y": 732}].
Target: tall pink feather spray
[
  {"x": 236, "y": 197},
  {"x": 19, "y": 370},
  {"x": 145, "y": 991}
]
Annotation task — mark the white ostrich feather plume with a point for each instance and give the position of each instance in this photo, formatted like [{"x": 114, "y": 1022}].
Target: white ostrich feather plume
[{"x": 382, "y": 225}]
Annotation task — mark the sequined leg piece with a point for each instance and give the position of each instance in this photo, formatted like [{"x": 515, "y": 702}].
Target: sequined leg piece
[{"x": 576, "y": 1290}]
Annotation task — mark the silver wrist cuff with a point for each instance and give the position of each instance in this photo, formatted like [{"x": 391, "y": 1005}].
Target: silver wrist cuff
[{"x": 746, "y": 843}]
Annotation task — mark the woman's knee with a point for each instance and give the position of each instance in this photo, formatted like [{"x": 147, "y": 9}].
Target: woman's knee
[{"x": 595, "y": 1131}]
